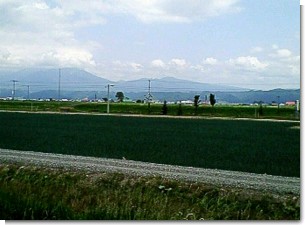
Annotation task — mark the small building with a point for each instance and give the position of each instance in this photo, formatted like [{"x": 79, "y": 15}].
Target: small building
[
  {"x": 187, "y": 102},
  {"x": 128, "y": 100},
  {"x": 290, "y": 103}
]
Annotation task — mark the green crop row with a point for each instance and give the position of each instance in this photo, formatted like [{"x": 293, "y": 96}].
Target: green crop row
[
  {"x": 240, "y": 145},
  {"x": 155, "y": 109},
  {"x": 29, "y": 193}
]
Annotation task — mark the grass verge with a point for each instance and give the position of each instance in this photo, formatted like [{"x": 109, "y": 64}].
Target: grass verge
[{"x": 35, "y": 193}]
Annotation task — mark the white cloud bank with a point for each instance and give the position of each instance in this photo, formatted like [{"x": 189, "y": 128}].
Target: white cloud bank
[
  {"x": 41, "y": 33},
  {"x": 246, "y": 71},
  {"x": 248, "y": 63},
  {"x": 175, "y": 10}
]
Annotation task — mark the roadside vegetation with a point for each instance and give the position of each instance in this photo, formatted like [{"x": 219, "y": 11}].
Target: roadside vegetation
[{"x": 35, "y": 193}]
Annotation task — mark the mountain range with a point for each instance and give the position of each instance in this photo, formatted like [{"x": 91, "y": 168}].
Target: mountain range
[{"x": 77, "y": 84}]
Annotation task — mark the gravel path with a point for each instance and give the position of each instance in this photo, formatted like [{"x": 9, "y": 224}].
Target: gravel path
[{"x": 262, "y": 182}]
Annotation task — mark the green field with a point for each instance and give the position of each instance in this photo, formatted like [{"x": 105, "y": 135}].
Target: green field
[
  {"x": 287, "y": 112},
  {"x": 252, "y": 146}
]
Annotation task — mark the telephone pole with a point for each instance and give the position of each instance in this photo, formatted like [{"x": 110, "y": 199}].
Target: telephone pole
[
  {"x": 14, "y": 88},
  {"x": 149, "y": 96},
  {"x": 278, "y": 103},
  {"x": 28, "y": 91},
  {"x": 59, "y": 77},
  {"x": 108, "y": 86}
]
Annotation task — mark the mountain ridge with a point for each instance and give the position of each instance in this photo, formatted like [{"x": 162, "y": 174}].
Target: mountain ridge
[
  {"x": 74, "y": 79},
  {"x": 77, "y": 83}
]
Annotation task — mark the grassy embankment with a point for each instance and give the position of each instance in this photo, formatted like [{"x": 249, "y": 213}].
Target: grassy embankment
[
  {"x": 34, "y": 193},
  {"x": 250, "y": 146}
]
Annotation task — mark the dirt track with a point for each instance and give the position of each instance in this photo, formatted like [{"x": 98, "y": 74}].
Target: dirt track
[{"x": 261, "y": 182}]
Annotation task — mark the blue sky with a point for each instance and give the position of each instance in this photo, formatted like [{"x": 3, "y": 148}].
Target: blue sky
[{"x": 246, "y": 43}]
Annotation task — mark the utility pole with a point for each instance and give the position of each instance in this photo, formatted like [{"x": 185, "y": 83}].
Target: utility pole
[
  {"x": 28, "y": 91},
  {"x": 278, "y": 103},
  {"x": 14, "y": 88},
  {"x": 149, "y": 96},
  {"x": 59, "y": 77},
  {"x": 108, "y": 106}
]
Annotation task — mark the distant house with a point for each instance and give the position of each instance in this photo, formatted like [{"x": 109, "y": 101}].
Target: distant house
[
  {"x": 126, "y": 99},
  {"x": 290, "y": 103},
  {"x": 187, "y": 102},
  {"x": 274, "y": 103}
]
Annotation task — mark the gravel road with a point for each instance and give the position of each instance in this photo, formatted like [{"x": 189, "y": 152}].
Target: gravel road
[{"x": 261, "y": 182}]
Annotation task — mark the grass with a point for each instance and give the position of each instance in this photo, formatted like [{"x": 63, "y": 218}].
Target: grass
[
  {"x": 155, "y": 109},
  {"x": 34, "y": 193},
  {"x": 250, "y": 146}
]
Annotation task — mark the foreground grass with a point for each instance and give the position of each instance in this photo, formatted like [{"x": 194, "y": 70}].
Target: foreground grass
[{"x": 32, "y": 193}]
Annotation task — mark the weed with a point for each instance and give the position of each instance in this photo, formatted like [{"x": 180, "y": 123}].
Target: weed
[{"x": 42, "y": 194}]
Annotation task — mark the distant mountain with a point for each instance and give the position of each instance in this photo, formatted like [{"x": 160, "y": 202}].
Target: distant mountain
[
  {"x": 77, "y": 83},
  {"x": 281, "y": 95},
  {"x": 171, "y": 84},
  {"x": 72, "y": 79},
  {"x": 46, "y": 79},
  {"x": 246, "y": 97}
]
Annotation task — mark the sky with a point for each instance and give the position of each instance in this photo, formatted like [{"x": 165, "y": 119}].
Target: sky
[{"x": 245, "y": 43}]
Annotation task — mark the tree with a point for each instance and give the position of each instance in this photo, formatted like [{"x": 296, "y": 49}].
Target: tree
[
  {"x": 212, "y": 99},
  {"x": 179, "y": 112},
  {"x": 120, "y": 96},
  {"x": 260, "y": 109},
  {"x": 164, "y": 108},
  {"x": 196, "y": 101}
]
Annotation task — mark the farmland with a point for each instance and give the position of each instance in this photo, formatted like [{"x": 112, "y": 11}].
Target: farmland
[
  {"x": 273, "y": 112},
  {"x": 34, "y": 192},
  {"x": 250, "y": 146}
]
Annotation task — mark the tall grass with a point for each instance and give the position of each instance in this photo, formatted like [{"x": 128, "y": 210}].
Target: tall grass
[
  {"x": 33, "y": 193},
  {"x": 251, "y": 146}
]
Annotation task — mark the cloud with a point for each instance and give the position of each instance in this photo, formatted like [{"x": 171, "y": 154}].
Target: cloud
[
  {"x": 284, "y": 61},
  {"x": 68, "y": 57},
  {"x": 248, "y": 63},
  {"x": 274, "y": 46},
  {"x": 256, "y": 49},
  {"x": 281, "y": 53},
  {"x": 136, "y": 66},
  {"x": 180, "y": 63},
  {"x": 52, "y": 33},
  {"x": 210, "y": 61},
  {"x": 243, "y": 71},
  {"x": 177, "y": 11},
  {"x": 124, "y": 66},
  {"x": 46, "y": 32},
  {"x": 158, "y": 63},
  {"x": 37, "y": 33}
]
